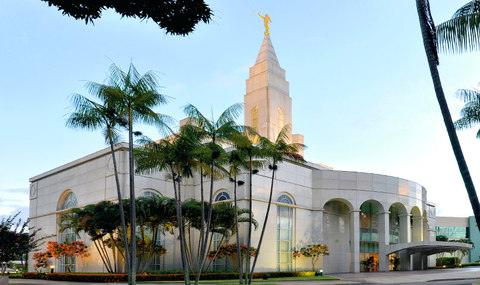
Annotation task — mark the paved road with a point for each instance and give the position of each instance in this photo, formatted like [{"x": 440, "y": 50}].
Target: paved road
[{"x": 469, "y": 275}]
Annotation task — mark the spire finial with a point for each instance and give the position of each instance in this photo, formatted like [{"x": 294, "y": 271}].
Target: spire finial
[{"x": 266, "y": 20}]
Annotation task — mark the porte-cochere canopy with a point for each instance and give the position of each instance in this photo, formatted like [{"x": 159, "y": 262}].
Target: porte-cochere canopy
[{"x": 427, "y": 247}]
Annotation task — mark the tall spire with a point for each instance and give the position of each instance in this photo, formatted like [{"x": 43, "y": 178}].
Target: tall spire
[{"x": 267, "y": 52}]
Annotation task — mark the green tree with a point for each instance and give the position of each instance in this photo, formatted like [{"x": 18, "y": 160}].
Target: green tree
[
  {"x": 275, "y": 152},
  {"x": 99, "y": 221},
  {"x": 217, "y": 134},
  {"x": 177, "y": 17},
  {"x": 17, "y": 239},
  {"x": 91, "y": 115},
  {"x": 428, "y": 30}
]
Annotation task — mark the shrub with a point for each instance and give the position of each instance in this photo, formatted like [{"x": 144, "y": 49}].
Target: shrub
[{"x": 447, "y": 261}]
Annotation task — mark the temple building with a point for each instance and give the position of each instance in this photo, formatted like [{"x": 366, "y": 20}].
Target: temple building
[{"x": 367, "y": 220}]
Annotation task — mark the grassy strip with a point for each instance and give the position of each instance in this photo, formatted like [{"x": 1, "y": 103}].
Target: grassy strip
[{"x": 235, "y": 281}]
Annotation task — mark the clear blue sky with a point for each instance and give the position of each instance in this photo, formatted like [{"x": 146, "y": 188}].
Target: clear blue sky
[{"x": 362, "y": 94}]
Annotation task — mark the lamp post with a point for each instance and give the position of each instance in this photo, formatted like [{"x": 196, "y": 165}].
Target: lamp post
[{"x": 52, "y": 268}]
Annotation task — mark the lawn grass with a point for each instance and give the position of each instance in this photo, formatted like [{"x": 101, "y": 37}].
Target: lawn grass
[{"x": 264, "y": 282}]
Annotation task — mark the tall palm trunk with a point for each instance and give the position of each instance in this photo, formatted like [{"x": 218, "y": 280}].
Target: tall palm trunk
[
  {"x": 239, "y": 250},
  {"x": 133, "y": 237},
  {"x": 423, "y": 11},
  {"x": 209, "y": 220},
  {"x": 178, "y": 200},
  {"x": 202, "y": 230},
  {"x": 274, "y": 166},
  {"x": 120, "y": 205},
  {"x": 249, "y": 238}
]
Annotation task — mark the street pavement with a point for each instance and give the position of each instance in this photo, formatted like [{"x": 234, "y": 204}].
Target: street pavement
[{"x": 468, "y": 275}]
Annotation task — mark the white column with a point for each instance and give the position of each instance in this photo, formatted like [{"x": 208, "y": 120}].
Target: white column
[
  {"x": 383, "y": 240},
  {"x": 317, "y": 226},
  {"x": 355, "y": 240},
  {"x": 405, "y": 228},
  {"x": 417, "y": 228}
]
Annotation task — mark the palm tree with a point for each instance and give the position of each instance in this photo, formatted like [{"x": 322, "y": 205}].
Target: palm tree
[
  {"x": 132, "y": 96},
  {"x": 427, "y": 27},
  {"x": 237, "y": 158},
  {"x": 217, "y": 134},
  {"x": 462, "y": 32},
  {"x": 92, "y": 116},
  {"x": 275, "y": 152},
  {"x": 471, "y": 111},
  {"x": 244, "y": 143},
  {"x": 175, "y": 155}
]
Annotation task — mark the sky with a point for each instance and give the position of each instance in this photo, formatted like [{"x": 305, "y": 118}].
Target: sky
[{"x": 361, "y": 91}]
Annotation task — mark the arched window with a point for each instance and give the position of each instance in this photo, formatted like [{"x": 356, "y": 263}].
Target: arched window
[
  {"x": 222, "y": 196},
  {"x": 69, "y": 201},
  {"x": 148, "y": 194},
  {"x": 284, "y": 234},
  {"x": 67, "y": 264}
]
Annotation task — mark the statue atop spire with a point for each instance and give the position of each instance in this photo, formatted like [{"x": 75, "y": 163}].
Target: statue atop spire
[{"x": 266, "y": 20}]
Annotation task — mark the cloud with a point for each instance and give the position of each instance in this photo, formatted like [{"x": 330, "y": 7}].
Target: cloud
[{"x": 12, "y": 200}]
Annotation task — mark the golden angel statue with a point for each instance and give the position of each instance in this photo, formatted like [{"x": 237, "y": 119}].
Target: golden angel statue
[{"x": 266, "y": 20}]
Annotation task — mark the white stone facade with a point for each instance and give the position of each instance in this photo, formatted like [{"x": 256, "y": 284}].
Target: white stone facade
[{"x": 358, "y": 215}]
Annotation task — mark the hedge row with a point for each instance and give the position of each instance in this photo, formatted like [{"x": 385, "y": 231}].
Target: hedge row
[{"x": 107, "y": 277}]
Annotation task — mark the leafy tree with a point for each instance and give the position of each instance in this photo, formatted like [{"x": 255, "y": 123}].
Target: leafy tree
[
  {"x": 62, "y": 252},
  {"x": 99, "y": 221},
  {"x": 441, "y": 238},
  {"x": 313, "y": 251},
  {"x": 91, "y": 115},
  {"x": 227, "y": 250},
  {"x": 428, "y": 29},
  {"x": 177, "y": 17},
  {"x": 275, "y": 152},
  {"x": 17, "y": 239}
]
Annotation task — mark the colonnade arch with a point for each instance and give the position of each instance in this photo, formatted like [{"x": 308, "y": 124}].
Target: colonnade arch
[
  {"x": 359, "y": 238},
  {"x": 416, "y": 224},
  {"x": 338, "y": 228},
  {"x": 371, "y": 229}
]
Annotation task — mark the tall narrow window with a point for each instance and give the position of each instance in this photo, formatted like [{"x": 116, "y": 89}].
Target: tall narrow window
[
  {"x": 219, "y": 239},
  {"x": 281, "y": 119},
  {"x": 284, "y": 234},
  {"x": 68, "y": 263},
  {"x": 255, "y": 123},
  {"x": 255, "y": 118},
  {"x": 157, "y": 261}
]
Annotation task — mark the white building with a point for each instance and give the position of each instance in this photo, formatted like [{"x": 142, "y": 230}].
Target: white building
[{"x": 360, "y": 216}]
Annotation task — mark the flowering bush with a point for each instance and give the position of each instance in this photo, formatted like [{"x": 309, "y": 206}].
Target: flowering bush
[
  {"x": 41, "y": 259},
  {"x": 121, "y": 277},
  {"x": 313, "y": 251},
  {"x": 61, "y": 251},
  {"x": 229, "y": 250}
]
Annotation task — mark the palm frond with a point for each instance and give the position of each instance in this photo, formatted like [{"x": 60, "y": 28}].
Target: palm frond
[{"x": 462, "y": 32}]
